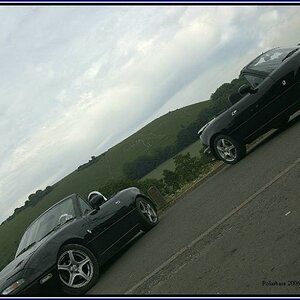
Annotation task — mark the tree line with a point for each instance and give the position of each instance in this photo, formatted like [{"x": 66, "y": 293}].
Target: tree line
[{"x": 32, "y": 200}]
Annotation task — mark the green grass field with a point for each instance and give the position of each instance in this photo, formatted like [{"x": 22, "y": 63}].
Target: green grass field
[{"x": 157, "y": 173}]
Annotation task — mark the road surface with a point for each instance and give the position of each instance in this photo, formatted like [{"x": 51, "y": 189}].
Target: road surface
[{"x": 237, "y": 233}]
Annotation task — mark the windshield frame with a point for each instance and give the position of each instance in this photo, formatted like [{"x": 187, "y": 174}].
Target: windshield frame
[{"x": 76, "y": 214}]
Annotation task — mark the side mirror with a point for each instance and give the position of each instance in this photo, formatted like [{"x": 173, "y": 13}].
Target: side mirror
[
  {"x": 245, "y": 89},
  {"x": 97, "y": 201}
]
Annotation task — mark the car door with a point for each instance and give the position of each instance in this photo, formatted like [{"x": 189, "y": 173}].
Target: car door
[
  {"x": 107, "y": 225},
  {"x": 285, "y": 89},
  {"x": 275, "y": 95},
  {"x": 245, "y": 115}
]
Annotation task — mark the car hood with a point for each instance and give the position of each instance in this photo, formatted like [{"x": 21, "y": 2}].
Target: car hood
[
  {"x": 215, "y": 120},
  {"x": 203, "y": 127},
  {"x": 17, "y": 264}
]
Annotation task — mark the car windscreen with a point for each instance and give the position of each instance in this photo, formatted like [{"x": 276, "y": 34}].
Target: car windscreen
[
  {"x": 270, "y": 60},
  {"x": 45, "y": 224}
]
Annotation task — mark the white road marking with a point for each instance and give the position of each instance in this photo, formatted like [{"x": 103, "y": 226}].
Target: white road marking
[
  {"x": 287, "y": 213},
  {"x": 200, "y": 237}
]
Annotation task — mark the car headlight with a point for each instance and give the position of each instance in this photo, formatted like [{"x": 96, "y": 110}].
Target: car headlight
[{"x": 13, "y": 287}]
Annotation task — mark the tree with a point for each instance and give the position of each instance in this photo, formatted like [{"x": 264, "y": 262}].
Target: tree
[
  {"x": 222, "y": 93},
  {"x": 171, "y": 180},
  {"x": 187, "y": 168},
  {"x": 139, "y": 167}
]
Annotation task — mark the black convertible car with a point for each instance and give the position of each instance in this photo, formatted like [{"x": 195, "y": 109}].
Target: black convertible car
[
  {"x": 64, "y": 247},
  {"x": 270, "y": 98}
]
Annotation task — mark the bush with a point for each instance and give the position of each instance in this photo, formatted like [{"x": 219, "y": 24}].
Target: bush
[
  {"x": 113, "y": 186},
  {"x": 187, "y": 169},
  {"x": 171, "y": 181}
]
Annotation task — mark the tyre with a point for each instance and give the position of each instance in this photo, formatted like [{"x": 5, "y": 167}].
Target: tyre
[
  {"x": 147, "y": 212},
  {"x": 228, "y": 149},
  {"x": 78, "y": 269}
]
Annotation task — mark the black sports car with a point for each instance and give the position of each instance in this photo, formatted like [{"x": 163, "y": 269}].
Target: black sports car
[
  {"x": 272, "y": 96},
  {"x": 64, "y": 246}
]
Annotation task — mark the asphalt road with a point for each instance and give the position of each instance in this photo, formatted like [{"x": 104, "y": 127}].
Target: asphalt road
[{"x": 237, "y": 233}]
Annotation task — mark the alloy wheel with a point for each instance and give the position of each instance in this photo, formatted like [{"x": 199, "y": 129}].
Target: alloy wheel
[
  {"x": 148, "y": 211},
  {"x": 75, "y": 268},
  {"x": 226, "y": 149}
]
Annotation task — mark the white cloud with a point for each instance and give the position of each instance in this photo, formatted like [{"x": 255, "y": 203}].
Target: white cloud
[{"x": 68, "y": 71}]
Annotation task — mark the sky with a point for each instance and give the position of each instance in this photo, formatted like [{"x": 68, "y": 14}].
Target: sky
[{"x": 76, "y": 80}]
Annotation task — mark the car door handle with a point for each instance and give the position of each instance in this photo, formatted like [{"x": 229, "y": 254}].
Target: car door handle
[{"x": 233, "y": 113}]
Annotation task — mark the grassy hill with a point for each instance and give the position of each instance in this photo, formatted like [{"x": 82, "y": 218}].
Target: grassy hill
[{"x": 157, "y": 134}]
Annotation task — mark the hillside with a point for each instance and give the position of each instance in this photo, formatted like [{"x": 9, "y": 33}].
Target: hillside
[{"x": 157, "y": 134}]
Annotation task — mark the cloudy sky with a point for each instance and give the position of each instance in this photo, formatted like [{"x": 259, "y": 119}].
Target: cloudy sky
[{"x": 75, "y": 80}]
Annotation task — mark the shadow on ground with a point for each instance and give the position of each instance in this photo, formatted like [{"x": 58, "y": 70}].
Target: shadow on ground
[
  {"x": 105, "y": 267},
  {"x": 276, "y": 133}
]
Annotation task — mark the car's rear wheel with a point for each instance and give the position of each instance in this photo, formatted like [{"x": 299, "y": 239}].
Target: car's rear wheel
[
  {"x": 228, "y": 149},
  {"x": 78, "y": 269},
  {"x": 147, "y": 212}
]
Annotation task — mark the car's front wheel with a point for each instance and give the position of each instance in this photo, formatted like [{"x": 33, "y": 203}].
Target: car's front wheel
[
  {"x": 78, "y": 269},
  {"x": 228, "y": 149},
  {"x": 147, "y": 212}
]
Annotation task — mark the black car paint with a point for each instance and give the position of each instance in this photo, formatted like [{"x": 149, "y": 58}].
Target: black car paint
[
  {"x": 255, "y": 113},
  {"x": 103, "y": 231},
  {"x": 117, "y": 220}
]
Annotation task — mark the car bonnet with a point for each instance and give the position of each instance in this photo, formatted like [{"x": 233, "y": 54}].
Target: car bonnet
[{"x": 16, "y": 265}]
